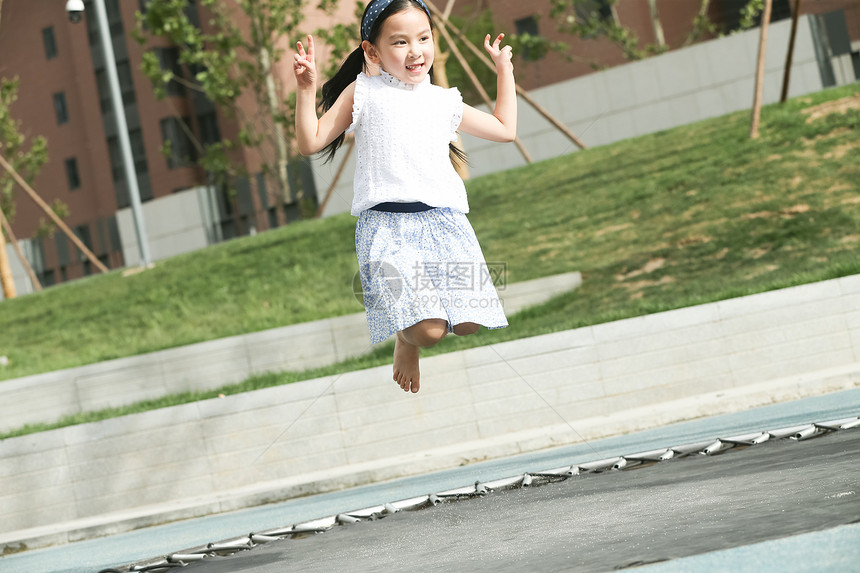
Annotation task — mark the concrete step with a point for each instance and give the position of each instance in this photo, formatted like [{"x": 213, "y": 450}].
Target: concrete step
[{"x": 216, "y": 363}]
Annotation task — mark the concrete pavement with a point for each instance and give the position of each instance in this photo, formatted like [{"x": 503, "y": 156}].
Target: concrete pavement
[{"x": 493, "y": 401}]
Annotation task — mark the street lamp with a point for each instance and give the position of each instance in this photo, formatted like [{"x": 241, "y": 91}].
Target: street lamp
[{"x": 75, "y": 9}]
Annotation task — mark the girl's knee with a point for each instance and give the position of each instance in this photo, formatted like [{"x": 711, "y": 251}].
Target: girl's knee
[
  {"x": 428, "y": 332},
  {"x": 466, "y": 328}
]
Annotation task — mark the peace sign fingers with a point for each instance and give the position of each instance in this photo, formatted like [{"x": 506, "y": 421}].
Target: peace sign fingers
[
  {"x": 309, "y": 55},
  {"x": 500, "y": 55},
  {"x": 304, "y": 65}
]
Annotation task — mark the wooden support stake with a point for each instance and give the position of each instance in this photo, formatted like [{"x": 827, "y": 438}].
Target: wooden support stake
[
  {"x": 523, "y": 93},
  {"x": 790, "y": 56},
  {"x": 50, "y": 212},
  {"x": 7, "y": 282},
  {"x": 4, "y": 223},
  {"x": 440, "y": 77},
  {"x": 483, "y": 93},
  {"x": 759, "y": 76}
]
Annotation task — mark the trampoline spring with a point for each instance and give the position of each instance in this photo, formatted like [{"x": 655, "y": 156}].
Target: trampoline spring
[
  {"x": 527, "y": 480},
  {"x": 157, "y": 567},
  {"x": 558, "y": 474},
  {"x": 388, "y": 509},
  {"x": 234, "y": 546},
  {"x": 852, "y": 424},
  {"x": 805, "y": 433},
  {"x": 505, "y": 483},
  {"x": 260, "y": 538},
  {"x": 345, "y": 519},
  {"x": 787, "y": 432},
  {"x": 667, "y": 455},
  {"x": 184, "y": 557},
  {"x": 714, "y": 448},
  {"x": 599, "y": 465},
  {"x": 279, "y": 533},
  {"x": 620, "y": 464},
  {"x": 434, "y": 499}
]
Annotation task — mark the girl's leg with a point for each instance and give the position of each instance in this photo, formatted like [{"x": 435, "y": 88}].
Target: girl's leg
[
  {"x": 466, "y": 328},
  {"x": 421, "y": 335}
]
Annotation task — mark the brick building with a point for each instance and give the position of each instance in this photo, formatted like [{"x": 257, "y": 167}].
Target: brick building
[
  {"x": 675, "y": 19},
  {"x": 63, "y": 96}
]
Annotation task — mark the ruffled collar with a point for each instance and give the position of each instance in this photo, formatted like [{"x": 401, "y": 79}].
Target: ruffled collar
[{"x": 396, "y": 83}]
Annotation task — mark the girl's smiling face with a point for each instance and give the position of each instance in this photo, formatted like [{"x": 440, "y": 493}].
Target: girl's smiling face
[{"x": 404, "y": 47}]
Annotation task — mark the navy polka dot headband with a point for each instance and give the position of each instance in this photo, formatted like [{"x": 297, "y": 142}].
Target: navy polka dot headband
[{"x": 374, "y": 9}]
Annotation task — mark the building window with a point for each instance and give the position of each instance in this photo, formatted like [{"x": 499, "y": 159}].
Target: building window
[
  {"x": 72, "y": 175},
  {"x": 60, "y": 108},
  {"x": 114, "y": 16},
  {"x": 209, "y": 132},
  {"x": 190, "y": 11},
  {"x": 115, "y": 155},
  {"x": 126, "y": 86},
  {"x": 178, "y": 147},
  {"x": 63, "y": 252},
  {"x": 528, "y": 27},
  {"x": 50, "y": 42},
  {"x": 168, "y": 60},
  {"x": 126, "y": 83},
  {"x": 593, "y": 11},
  {"x": 83, "y": 233},
  {"x": 138, "y": 152},
  {"x": 103, "y": 89}
]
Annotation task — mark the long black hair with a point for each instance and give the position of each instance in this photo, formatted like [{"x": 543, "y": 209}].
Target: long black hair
[{"x": 355, "y": 64}]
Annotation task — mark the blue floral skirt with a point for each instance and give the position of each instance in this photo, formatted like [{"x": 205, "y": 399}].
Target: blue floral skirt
[{"x": 416, "y": 266}]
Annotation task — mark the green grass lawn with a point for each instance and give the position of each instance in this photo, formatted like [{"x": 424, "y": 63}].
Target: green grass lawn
[{"x": 681, "y": 217}]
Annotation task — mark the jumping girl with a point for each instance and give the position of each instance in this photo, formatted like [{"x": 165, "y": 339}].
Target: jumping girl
[{"x": 422, "y": 271}]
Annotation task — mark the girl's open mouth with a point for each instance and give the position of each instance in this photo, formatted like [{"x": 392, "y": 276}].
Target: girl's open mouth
[{"x": 414, "y": 68}]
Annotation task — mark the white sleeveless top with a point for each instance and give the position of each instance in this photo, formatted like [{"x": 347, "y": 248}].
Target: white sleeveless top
[{"x": 402, "y": 133}]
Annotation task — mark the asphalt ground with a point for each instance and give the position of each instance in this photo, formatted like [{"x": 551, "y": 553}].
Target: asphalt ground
[
  {"x": 596, "y": 522},
  {"x": 638, "y": 516}
]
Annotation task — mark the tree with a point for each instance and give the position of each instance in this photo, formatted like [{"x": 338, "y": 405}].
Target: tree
[
  {"x": 591, "y": 19},
  {"x": 26, "y": 157},
  {"x": 227, "y": 60}
]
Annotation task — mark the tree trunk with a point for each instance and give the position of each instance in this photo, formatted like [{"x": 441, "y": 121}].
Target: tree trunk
[
  {"x": 53, "y": 216},
  {"x": 655, "y": 22},
  {"x": 786, "y": 78},
  {"x": 6, "y": 279},
  {"x": 759, "y": 77},
  {"x": 4, "y": 223},
  {"x": 280, "y": 137}
]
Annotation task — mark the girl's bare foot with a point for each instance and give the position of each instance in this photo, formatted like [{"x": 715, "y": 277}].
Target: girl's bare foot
[{"x": 406, "y": 364}]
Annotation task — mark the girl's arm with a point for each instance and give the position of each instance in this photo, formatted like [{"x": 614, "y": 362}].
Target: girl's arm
[
  {"x": 502, "y": 124},
  {"x": 313, "y": 133}
]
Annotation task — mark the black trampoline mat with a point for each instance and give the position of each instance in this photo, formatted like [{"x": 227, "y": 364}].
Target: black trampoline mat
[{"x": 596, "y": 522}]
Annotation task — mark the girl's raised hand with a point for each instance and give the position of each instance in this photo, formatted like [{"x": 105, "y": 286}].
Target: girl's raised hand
[
  {"x": 501, "y": 56},
  {"x": 304, "y": 68}
]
